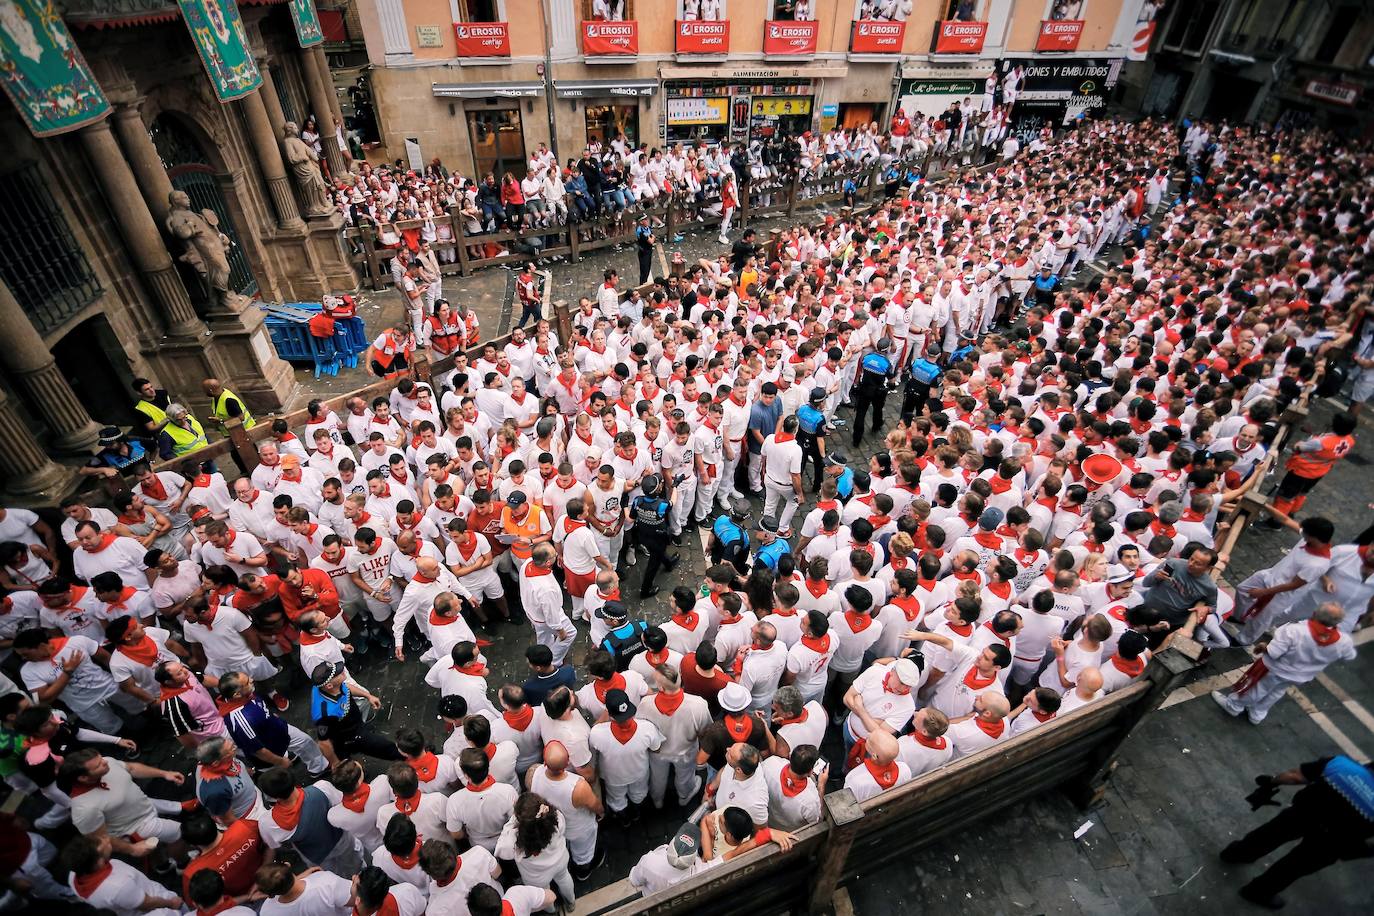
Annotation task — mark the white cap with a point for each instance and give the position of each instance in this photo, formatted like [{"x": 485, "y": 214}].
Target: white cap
[
  {"x": 734, "y": 697},
  {"x": 906, "y": 672}
]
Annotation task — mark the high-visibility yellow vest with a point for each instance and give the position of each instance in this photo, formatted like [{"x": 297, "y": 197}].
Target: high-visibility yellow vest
[
  {"x": 152, "y": 412},
  {"x": 218, "y": 409},
  {"x": 186, "y": 440}
]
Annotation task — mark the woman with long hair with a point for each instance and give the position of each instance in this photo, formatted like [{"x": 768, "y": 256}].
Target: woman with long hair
[{"x": 534, "y": 840}]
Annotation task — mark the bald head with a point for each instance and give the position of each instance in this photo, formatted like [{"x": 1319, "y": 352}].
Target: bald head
[
  {"x": 427, "y": 567},
  {"x": 556, "y": 757},
  {"x": 1329, "y": 614},
  {"x": 882, "y": 747},
  {"x": 995, "y": 707},
  {"x": 1089, "y": 682}
]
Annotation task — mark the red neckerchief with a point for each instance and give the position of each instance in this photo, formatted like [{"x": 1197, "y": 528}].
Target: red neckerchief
[
  {"x": 1319, "y": 551},
  {"x": 1024, "y": 557},
  {"x": 1191, "y": 516},
  {"x": 992, "y": 729},
  {"x": 519, "y": 720},
  {"x": 668, "y": 703},
  {"x": 1131, "y": 668},
  {"x": 389, "y": 907},
  {"x": 311, "y": 639},
  {"x": 602, "y": 687},
  {"x": 474, "y": 669},
  {"x": 1323, "y": 634},
  {"x": 857, "y": 622},
  {"x": 168, "y": 691},
  {"x": 885, "y": 775},
  {"x": 969, "y": 576},
  {"x": 989, "y": 539},
  {"x": 1041, "y": 716},
  {"x": 357, "y": 799},
  {"x": 739, "y": 727},
  {"x": 286, "y": 813},
  {"x": 964, "y": 630},
  {"x": 156, "y": 490},
  {"x": 408, "y": 862},
  {"x": 972, "y": 679},
  {"x": 534, "y": 570},
  {"x": 998, "y": 484},
  {"x": 687, "y": 621},
  {"x": 80, "y": 789},
  {"x": 426, "y": 766},
  {"x": 624, "y": 731},
  {"x": 1158, "y": 527},
  {"x": 482, "y": 786},
  {"x": 909, "y": 606},
  {"x": 816, "y": 588},
  {"x": 792, "y": 784},
  {"x": 145, "y": 652},
  {"x": 936, "y": 744},
  {"x": 105, "y": 541},
  {"x": 222, "y": 768},
  {"x": 408, "y": 806},
  {"x": 85, "y": 885},
  {"x": 878, "y": 521},
  {"x": 780, "y": 438},
  {"x": 818, "y": 644},
  {"x": 1000, "y": 589}
]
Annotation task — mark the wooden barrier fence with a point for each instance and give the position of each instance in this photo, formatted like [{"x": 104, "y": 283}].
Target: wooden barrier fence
[{"x": 1075, "y": 752}]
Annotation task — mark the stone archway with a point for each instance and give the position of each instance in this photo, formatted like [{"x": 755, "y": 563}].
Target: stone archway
[{"x": 190, "y": 169}]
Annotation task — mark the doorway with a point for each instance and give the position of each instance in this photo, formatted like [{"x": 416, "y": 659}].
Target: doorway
[
  {"x": 87, "y": 357},
  {"x": 498, "y": 143}
]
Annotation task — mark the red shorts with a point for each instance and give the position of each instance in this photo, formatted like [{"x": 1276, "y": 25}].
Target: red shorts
[{"x": 578, "y": 583}]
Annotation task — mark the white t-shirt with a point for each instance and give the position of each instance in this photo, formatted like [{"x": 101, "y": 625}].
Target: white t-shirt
[
  {"x": 17, "y": 525},
  {"x": 122, "y": 667},
  {"x": 325, "y": 894},
  {"x": 124, "y": 890}
]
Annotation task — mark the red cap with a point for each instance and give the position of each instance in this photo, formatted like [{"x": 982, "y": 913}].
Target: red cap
[{"x": 1101, "y": 468}]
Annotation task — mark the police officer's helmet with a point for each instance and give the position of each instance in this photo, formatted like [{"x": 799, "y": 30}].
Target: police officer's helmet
[
  {"x": 817, "y": 394},
  {"x": 884, "y": 344},
  {"x": 650, "y": 484}
]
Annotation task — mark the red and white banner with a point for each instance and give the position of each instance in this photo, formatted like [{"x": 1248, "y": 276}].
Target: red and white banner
[
  {"x": 785, "y": 37},
  {"x": 619, "y": 38},
  {"x": 1059, "y": 35},
  {"x": 695, "y": 36},
  {"x": 953, "y": 37},
  {"x": 1140, "y": 44},
  {"x": 482, "y": 39},
  {"x": 875, "y": 37}
]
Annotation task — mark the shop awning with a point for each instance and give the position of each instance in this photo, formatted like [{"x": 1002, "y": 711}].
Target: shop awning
[
  {"x": 487, "y": 90},
  {"x": 580, "y": 89}
]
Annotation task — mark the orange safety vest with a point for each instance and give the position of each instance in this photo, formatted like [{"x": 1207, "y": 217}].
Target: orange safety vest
[
  {"x": 529, "y": 529},
  {"x": 1317, "y": 464}
]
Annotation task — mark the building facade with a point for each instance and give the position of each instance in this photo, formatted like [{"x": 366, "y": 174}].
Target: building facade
[
  {"x": 1299, "y": 61},
  {"x": 480, "y": 83},
  {"x": 112, "y": 112}
]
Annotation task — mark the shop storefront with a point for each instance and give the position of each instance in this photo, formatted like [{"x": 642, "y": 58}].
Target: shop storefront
[
  {"x": 929, "y": 94},
  {"x": 735, "y": 110},
  {"x": 1054, "y": 94},
  {"x": 494, "y": 123},
  {"x": 610, "y": 107}
]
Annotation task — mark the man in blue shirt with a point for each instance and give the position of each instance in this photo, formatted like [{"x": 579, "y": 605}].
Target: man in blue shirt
[
  {"x": 544, "y": 677},
  {"x": 339, "y": 725},
  {"x": 876, "y": 370},
  {"x": 811, "y": 435},
  {"x": 763, "y": 422},
  {"x": 260, "y": 733},
  {"x": 730, "y": 539}
]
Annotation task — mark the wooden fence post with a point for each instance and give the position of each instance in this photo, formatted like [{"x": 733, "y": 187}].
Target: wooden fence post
[
  {"x": 842, "y": 816},
  {"x": 1165, "y": 673},
  {"x": 370, "y": 252},
  {"x": 792, "y": 193},
  {"x": 419, "y": 367},
  {"x": 243, "y": 445},
  {"x": 562, "y": 321},
  {"x": 459, "y": 242},
  {"x": 774, "y": 244}
]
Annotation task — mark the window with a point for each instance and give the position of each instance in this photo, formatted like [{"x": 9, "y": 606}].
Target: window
[
  {"x": 479, "y": 11},
  {"x": 607, "y": 10},
  {"x": 1342, "y": 22},
  {"x": 608, "y": 122},
  {"x": 883, "y": 10},
  {"x": 703, "y": 10},
  {"x": 1190, "y": 25},
  {"x": 1293, "y": 18},
  {"x": 40, "y": 260},
  {"x": 796, "y": 10},
  {"x": 1061, "y": 10},
  {"x": 966, "y": 10}
]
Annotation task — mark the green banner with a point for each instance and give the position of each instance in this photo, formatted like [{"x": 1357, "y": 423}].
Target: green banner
[
  {"x": 218, "y": 34},
  {"x": 44, "y": 74},
  {"x": 308, "y": 29}
]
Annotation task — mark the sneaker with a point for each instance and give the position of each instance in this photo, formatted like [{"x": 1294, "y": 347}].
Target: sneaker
[
  {"x": 1222, "y": 699},
  {"x": 281, "y": 703},
  {"x": 677, "y": 238},
  {"x": 705, "y": 524}
]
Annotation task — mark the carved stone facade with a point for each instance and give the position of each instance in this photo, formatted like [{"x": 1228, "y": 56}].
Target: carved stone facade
[{"x": 141, "y": 309}]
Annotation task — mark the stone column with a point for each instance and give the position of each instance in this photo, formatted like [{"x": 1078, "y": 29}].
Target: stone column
[
  {"x": 143, "y": 158},
  {"x": 29, "y": 362},
  {"x": 318, "y": 86},
  {"x": 26, "y": 470},
  {"x": 276, "y": 115},
  {"x": 267, "y": 146},
  {"x": 140, "y": 233}
]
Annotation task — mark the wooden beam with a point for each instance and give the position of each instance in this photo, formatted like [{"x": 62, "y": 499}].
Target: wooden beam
[{"x": 843, "y": 818}]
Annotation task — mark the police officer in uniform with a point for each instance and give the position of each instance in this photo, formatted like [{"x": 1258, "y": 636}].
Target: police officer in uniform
[
  {"x": 1332, "y": 818},
  {"x": 811, "y": 435},
  {"x": 730, "y": 539},
  {"x": 846, "y": 477},
  {"x": 644, "y": 248},
  {"x": 771, "y": 547},
  {"x": 875, "y": 374},
  {"x": 626, "y": 637},
  {"x": 650, "y": 512}
]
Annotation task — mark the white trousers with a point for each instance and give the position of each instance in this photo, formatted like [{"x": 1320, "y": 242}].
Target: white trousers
[
  {"x": 755, "y": 470},
  {"x": 685, "y": 779},
  {"x": 1259, "y": 699},
  {"x": 610, "y": 547},
  {"x": 775, "y": 495},
  {"x": 727, "y": 478},
  {"x": 616, "y": 796},
  {"x": 304, "y": 749},
  {"x": 546, "y": 635},
  {"x": 684, "y": 498},
  {"x": 707, "y": 487},
  {"x": 582, "y": 847}
]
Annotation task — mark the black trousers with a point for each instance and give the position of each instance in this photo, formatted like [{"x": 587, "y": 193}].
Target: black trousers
[
  {"x": 1317, "y": 848},
  {"x": 656, "y": 543},
  {"x": 364, "y": 740},
  {"x": 646, "y": 265},
  {"x": 811, "y": 452},
  {"x": 866, "y": 398}
]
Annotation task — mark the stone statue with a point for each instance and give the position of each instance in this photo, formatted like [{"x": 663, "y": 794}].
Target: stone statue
[
  {"x": 207, "y": 249},
  {"x": 305, "y": 165}
]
